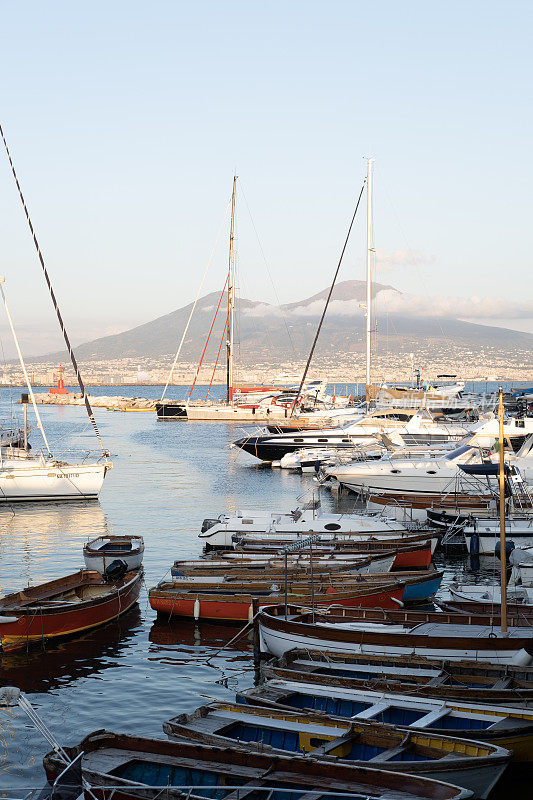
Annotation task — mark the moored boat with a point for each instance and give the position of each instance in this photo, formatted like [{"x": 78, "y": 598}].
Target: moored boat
[
  {"x": 237, "y": 603},
  {"x": 65, "y": 606},
  {"x": 419, "y": 586},
  {"x": 477, "y": 767},
  {"x": 139, "y": 769},
  {"x": 411, "y": 553},
  {"x": 472, "y": 681},
  {"x": 507, "y": 727},
  {"x": 443, "y": 636},
  {"x": 99, "y": 553}
]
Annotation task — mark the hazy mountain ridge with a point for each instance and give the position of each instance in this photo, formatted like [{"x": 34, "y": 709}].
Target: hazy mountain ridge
[{"x": 270, "y": 334}]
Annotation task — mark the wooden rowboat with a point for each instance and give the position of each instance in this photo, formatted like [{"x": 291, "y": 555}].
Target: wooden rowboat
[
  {"x": 99, "y": 553},
  {"x": 472, "y": 681},
  {"x": 477, "y": 767},
  {"x": 443, "y": 636},
  {"x": 127, "y": 766},
  {"x": 64, "y": 606},
  {"x": 415, "y": 555},
  {"x": 420, "y": 586},
  {"x": 237, "y": 604},
  {"x": 257, "y": 562},
  {"x": 507, "y": 727}
]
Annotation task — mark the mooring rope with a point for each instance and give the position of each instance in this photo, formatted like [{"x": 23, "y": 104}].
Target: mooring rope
[
  {"x": 304, "y": 376},
  {"x": 54, "y": 301}
]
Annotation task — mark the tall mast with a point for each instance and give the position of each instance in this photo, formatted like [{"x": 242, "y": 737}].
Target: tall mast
[
  {"x": 369, "y": 248},
  {"x": 503, "y": 554},
  {"x": 231, "y": 301},
  {"x": 26, "y": 378}
]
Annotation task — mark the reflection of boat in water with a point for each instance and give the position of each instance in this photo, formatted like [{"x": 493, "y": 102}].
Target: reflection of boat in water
[
  {"x": 73, "y": 659},
  {"x": 34, "y": 536},
  {"x": 180, "y": 633}
]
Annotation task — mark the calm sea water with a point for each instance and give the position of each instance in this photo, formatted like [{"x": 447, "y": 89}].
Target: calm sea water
[{"x": 134, "y": 673}]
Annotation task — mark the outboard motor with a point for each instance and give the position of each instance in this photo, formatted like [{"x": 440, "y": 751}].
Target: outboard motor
[
  {"x": 208, "y": 523},
  {"x": 509, "y": 547},
  {"x": 115, "y": 571}
]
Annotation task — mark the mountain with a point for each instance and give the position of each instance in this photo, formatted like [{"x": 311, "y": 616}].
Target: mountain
[{"x": 271, "y": 334}]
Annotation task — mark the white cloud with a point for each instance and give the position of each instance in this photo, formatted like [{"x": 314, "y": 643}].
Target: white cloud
[
  {"x": 263, "y": 310},
  {"x": 402, "y": 258},
  {"x": 392, "y": 302},
  {"x": 475, "y": 307}
]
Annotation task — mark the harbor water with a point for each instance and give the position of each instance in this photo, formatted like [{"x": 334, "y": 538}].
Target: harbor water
[{"x": 136, "y": 672}]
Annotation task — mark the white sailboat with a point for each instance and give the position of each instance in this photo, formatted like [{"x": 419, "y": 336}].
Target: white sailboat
[{"x": 25, "y": 477}]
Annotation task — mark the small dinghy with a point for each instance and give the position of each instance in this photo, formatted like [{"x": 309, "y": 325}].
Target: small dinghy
[
  {"x": 145, "y": 769},
  {"x": 361, "y": 743},
  {"x": 507, "y": 727},
  {"x": 100, "y": 552},
  {"x": 67, "y": 605},
  {"x": 472, "y": 681}
]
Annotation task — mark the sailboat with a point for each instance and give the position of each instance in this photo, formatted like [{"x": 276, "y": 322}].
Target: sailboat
[
  {"x": 246, "y": 403},
  {"x": 25, "y": 477},
  {"x": 44, "y": 477}
]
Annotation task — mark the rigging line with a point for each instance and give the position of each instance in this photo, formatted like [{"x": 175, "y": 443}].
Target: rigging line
[
  {"x": 54, "y": 301},
  {"x": 218, "y": 354},
  {"x": 328, "y": 298},
  {"x": 268, "y": 270},
  {"x": 173, "y": 367},
  {"x": 23, "y": 366},
  {"x": 208, "y": 337}
]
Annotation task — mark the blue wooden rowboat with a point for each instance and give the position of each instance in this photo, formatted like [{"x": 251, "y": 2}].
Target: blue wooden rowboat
[{"x": 474, "y": 765}]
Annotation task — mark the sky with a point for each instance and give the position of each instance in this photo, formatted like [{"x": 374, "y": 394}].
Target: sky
[{"x": 127, "y": 121}]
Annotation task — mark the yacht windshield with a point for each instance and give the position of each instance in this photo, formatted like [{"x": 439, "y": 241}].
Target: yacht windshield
[{"x": 459, "y": 451}]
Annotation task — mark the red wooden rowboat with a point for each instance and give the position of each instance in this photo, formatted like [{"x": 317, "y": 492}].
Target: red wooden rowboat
[
  {"x": 64, "y": 606},
  {"x": 237, "y": 605},
  {"x": 416, "y": 555}
]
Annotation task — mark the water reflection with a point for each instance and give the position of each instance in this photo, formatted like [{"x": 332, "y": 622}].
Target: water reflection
[
  {"x": 41, "y": 541},
  {"x": 174, "y": 635},
  {"x": 64, "y": 662}
]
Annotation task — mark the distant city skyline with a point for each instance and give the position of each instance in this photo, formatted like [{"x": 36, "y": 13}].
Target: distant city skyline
[{"x": 126, "y": 123}]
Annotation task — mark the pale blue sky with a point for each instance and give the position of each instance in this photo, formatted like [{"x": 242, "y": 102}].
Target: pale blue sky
[{"x": 126, "y": 121}]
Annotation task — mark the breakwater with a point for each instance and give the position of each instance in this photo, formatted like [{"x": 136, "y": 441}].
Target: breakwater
[{"x": 114, "y": 403}]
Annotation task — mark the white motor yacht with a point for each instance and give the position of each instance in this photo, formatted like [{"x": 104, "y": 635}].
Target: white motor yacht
[{"x": 223, "y": 531}]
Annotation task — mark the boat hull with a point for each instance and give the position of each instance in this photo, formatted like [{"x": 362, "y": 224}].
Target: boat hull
[
  {"x": 278, "y": 635},
  {"x": 35, "y": 626},
  {"x": 51, "y": 482},
  {"x": 235, "y": 608}
]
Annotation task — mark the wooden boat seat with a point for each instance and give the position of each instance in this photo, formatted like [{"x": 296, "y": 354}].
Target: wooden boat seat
[
  {"x": 388, "y": 754},
  {"x": 438, "y": 680}
]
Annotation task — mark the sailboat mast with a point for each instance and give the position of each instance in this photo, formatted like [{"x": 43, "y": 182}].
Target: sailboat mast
[
  {"x": 26, "y": 378},
  {"x": 231, "y": 301},
  {"x": 369, "y": 248},
  {"x": 503, "y": 554}
]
